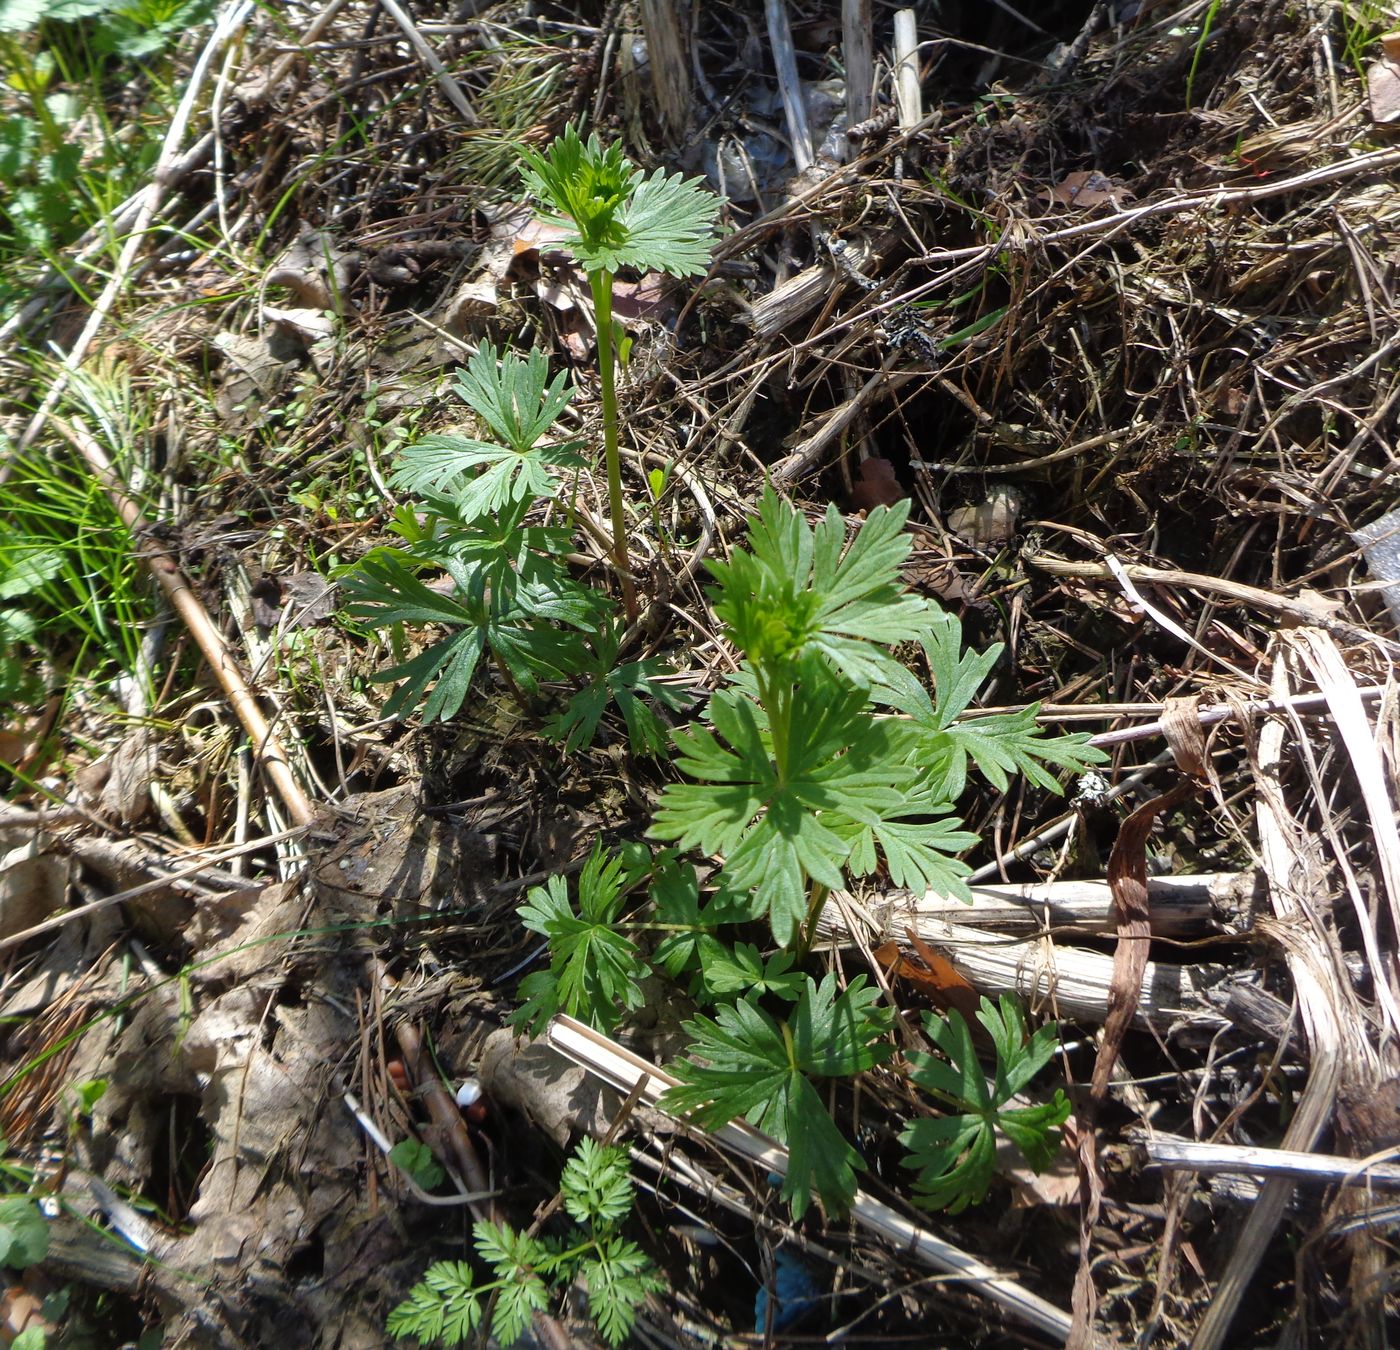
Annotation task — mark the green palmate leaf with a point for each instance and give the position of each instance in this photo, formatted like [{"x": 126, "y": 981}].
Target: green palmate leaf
[
  {"x": 854, "y": 785},
  {"x": 776, "y": 831},
  {"x": 620, "y": 217},
  {"x": 515, "y": 399},
  {"x": 444, "y": 462},
  {"x": 690, "y": 928},
  {"x": 519, "y": 621},
  {"x": 384, "y": 591},
  {"x": 619, "y": 1278},
  {"x": 956, "y": 1154},
  {"x": 514, "y": 396},
  {"x": 596, "y": 1184},
  {"x": 1001, "y": 744},
  {"x": 626, "y": 685},
  {"x": 594, "y": 969},
  {"x": 743, "y": 969},
  {"x": 1007, "y": 743},
  {"x": 797, "y": 590},
  {"x": 743, "y": 1063}
]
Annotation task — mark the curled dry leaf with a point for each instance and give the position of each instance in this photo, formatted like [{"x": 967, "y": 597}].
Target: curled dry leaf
[
  {"x": 991, "y": 521},
  {"x": 1383, "y": 83},
  {"x": 1088, "y": 188},
  {"x": 876, "y": 485}
]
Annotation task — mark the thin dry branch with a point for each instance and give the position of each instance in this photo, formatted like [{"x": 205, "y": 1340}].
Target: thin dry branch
[{"x": 266, "y": 746}]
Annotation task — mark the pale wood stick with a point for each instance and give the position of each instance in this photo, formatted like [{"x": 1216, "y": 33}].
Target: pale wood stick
[
  {"x": 908, "y": 95},
  {"x": 625, "y": 1071},
  {"x": 669, "y": 62},
  {"x": 789, "y": 85},
  {"x": 1183, "y": 1155},
  {"x": 1233, "y": 590},
  {"x": 451, "y": 90},
  {"x": 1182, "y": 906},
  {"x": 1071, "y": 982}
]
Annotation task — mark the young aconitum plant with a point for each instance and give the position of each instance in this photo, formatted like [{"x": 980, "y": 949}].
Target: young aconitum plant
[
  {"x": 619, "y": 217},
  {"x": 505, "y": 592},
  {"x": 824, "y": 759}
]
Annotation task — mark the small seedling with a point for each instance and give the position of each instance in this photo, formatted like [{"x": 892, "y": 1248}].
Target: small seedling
[{"x": 596, "y": 1188}]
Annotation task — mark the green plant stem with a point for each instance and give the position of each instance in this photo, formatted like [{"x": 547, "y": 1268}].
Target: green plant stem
[
  {"x": 601, "y": 283},
  {"x": 814, "y": 913}
]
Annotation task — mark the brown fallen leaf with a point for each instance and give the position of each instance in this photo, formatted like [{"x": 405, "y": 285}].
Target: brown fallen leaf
[
  {"x": 936, "y": 978},
  {"x": 991, "y": 521},
  {"x": 1383, "y": 88},
  {"x": 876, "y": 485},
  {"x": 1087, "y": 188}
]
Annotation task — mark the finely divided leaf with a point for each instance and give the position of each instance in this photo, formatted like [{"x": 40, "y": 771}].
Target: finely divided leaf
[
  {"x": 596, "y": 1184},
  {"x": 619, "y": 1278}
]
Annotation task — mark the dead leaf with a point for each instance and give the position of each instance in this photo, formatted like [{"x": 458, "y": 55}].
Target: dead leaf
[
  {"x": 309, "y": 599},
  {"x": 304, "y": 326},
  {"x": 33, "y": 885},
  {"x": 1127, "y": 879},
  {"x": 991, "y": 521},
  {"x": 1087, "y": 188},
  {"x": 649, "y": 300},
  {"x": 876, "y": 485},
  {"x": 1383, "y": 88},
  {"x": 315, "y": 269},
  {"x": 534, "y": 235},
  {"x": 1390, "y": 45},
  {"x": 937, "y": 979},
  {"x": 132, "y": 765}
]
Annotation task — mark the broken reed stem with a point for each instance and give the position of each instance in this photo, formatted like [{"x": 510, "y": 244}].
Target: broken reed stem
[{"x": 267, "y": 748}]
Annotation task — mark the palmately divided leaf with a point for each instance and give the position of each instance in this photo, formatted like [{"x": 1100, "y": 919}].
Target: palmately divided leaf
[
  {"x": 622, "y": 218},
  {"x": 594, "y": 969},
  {"x": 956, "y": 1154},
  {"x": 797, "y": 589},
  {"x": 1008, "y": 743},
  {"x": 626, "y": 685},
  {"x": 514, "y": 396},
  {"x": 777, "y": 833},
  {"x": 743, "y": 1063}
]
